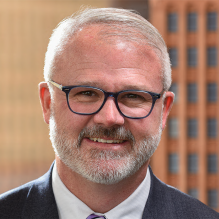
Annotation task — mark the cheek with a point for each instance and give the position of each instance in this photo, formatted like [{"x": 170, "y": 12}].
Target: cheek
[
  {"x": 68, "y": 121},
  {"x": 146, "y": 127}
]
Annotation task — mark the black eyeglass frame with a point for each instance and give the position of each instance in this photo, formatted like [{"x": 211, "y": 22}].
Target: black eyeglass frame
[{"x": 67, "y": 89}]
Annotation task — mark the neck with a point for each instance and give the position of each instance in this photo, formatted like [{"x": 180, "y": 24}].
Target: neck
[{"x": 99, "y": 197}]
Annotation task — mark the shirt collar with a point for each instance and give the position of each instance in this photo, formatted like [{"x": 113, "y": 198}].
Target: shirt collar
[{"x": 69, "y": 206}]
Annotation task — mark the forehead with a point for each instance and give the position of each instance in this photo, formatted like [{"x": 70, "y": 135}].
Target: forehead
[{"x": 99, "y": 48}]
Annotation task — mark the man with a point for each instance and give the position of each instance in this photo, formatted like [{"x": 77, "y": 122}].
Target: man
[{"x": 106, "y": 101}]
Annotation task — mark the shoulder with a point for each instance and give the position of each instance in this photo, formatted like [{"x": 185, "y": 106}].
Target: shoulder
[
  {"x": 13, "y": 201},
  {"x": 189, "y": 206},
  {"x": 176, "y": 204},
  {"x": 32, "y": 200}
]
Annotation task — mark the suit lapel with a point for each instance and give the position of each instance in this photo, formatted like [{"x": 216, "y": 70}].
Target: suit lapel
[
  {"x": 159, "y": 201},
  {"x": 40, "y": 202}
]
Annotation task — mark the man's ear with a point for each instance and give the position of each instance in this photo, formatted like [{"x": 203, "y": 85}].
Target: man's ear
[
  {"x": 168, "y": 102},
  {"x": 45, "y": 100}
]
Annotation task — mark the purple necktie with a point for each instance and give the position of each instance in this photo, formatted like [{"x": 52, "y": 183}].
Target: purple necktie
[{"x": 93, "y": 216}]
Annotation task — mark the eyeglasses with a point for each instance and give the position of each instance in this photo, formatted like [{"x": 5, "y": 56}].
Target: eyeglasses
[{"x": 88, "y": 100}]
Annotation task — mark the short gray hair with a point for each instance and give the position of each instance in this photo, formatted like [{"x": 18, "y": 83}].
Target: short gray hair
[{"x": 134, "y": 28}]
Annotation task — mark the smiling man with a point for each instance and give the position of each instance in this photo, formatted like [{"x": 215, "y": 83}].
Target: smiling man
[{"x": 106, "y": 100}]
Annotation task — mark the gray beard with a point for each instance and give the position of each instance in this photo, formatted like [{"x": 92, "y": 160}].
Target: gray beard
[{"x": 96, "y": 165}]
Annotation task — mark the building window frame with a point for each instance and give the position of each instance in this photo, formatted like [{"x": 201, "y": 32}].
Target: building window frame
[
  {"x": 172, "y": 22},
  {"x": 173, "y": 128},
  {"x": 212, "y": 160},
  {"x": 212, "y": 56},
  {"x": 192, "y": 92},
  {"x": 213, "y": 198},
  {"x": 192, "y": 163},
  {"x": 212, "y": 128},
  {"x": 212, "y": 92},
  {"x": 192, "y": 128},
  {"x": 192, "y": 21},
  {"x": 211, "y": 21},
  {"x": 192, "y": 57},
  {"x": 173, "y": 53},
  {"x": 173, "y": 163}
]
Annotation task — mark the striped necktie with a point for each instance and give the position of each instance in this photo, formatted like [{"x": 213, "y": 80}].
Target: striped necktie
[{"x": 93, "y": 216}]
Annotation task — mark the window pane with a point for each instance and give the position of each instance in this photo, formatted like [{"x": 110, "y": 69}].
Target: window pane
[
  {"x": 173, "y": 57},
  {"x": 212, "y": 92},
  {"x": 212, "y": 21},
  {"x": 173, "y": 128},
  {"x": 173, "y": 163},
  {"x": 213, "y": 198},
  {"x": 192, "y": 128},
  {"x": 193, "y": 193},
  {"x": 192, "y": 163},
  {"x": 192, "y": 57},
  {"x": 212, "y": 56},
  {"x": 212, "y": 163},
  {"x": 212, "y": 128},
  {"x": 172, "y": 21},
  {"x": 192, "y": 21},
  {"x": 174, "y": 89},
  {"x": 192, "y": 92}
]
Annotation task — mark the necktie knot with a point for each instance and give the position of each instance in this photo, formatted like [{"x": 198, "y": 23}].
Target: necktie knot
[{"x": 94, "y": 216}]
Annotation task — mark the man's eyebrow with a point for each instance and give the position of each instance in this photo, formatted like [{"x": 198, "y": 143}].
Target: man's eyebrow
[
  {"x": 99, "y": 85},
  {"x": 86, "y": 83}
]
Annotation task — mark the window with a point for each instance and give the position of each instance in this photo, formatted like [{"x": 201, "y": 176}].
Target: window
[
  {"x": 172, "y": 21},
  {"x": 212, "y": 92},
  {"x": 174, "y": 89},
  {"x": 193, "y": 193},
  {"x": 212, "y": 128},
  {"x": 213, "y": 198},
  {"x": 192, "y": 92},
  {"x": 173, "y": 163},
  {"x": 192, "y": 128},
  {"x": 192, "y": 21},
  {"x": 192, "y": 57},
  {"x": 212, "y": 56},
  {"x": 173, "y": 57},
  {"x": 212, "y": 163},
  {"x": 173, "y": 128},
  {"x": 212, "y": 21},
  {"x": 192, "y": 163}
]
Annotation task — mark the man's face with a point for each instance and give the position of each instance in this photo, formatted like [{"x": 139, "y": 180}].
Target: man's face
[{"x": 105, "y": 147}]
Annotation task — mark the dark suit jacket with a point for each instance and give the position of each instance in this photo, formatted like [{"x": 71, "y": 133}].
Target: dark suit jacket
[{"x": 35, "y": 200}]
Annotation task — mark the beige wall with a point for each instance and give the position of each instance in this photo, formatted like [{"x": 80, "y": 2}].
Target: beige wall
[{"x": 25, "y": 28}]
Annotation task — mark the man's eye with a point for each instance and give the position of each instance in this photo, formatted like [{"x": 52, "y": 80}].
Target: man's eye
[
  {"x": 86, "y": 93},
  {"x": 133, "y": 96}
]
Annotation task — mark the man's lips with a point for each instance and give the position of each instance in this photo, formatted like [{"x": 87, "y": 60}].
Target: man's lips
[{"x": 111, "y": 141}]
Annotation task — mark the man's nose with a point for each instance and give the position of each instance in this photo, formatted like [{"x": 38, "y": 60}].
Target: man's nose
[{"x": 109, "y": 115}]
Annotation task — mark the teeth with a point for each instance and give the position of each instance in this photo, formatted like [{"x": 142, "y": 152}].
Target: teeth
[{"x": 106, "y": 141}]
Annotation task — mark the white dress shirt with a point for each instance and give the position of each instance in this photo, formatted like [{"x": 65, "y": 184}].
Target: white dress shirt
[{"x": 70, "y": 207}]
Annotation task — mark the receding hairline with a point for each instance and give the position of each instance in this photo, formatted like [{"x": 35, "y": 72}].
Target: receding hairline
[
  {"x": 112, "y": 18},
  {"x": 110, "y": 34}
]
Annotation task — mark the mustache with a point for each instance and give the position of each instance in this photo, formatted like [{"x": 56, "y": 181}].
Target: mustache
[{"x": 119, "y": 133}]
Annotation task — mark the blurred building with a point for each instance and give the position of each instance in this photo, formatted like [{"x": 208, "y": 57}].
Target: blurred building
[
  {"x": 187, "y": 157},
  {"x": 141, "y": 6}
]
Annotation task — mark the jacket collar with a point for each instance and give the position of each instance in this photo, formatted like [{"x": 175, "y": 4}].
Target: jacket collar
[
  {"x": 156, "y": 207},
  {"x": 40, "y": 202}
]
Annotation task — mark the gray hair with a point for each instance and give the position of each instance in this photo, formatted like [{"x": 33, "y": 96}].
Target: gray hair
[{"x": 134, "y": 28}]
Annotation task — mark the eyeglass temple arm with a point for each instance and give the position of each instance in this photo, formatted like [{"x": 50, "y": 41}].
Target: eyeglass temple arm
[{"x": 56, "y": 84}]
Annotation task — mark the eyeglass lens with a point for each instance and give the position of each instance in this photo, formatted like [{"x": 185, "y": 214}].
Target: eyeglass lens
[{"x": 89, "y": 100}]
